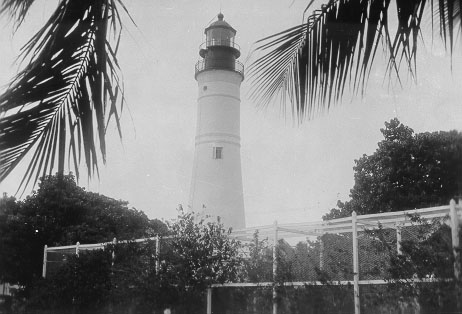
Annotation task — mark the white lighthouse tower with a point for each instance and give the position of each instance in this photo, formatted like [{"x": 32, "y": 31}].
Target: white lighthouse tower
[{"x": 216, "y": 185}]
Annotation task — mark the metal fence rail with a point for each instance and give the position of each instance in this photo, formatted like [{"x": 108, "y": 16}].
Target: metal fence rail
[
  {"x": 346, "y": 250},
  {"x": 353, "y": 260}
]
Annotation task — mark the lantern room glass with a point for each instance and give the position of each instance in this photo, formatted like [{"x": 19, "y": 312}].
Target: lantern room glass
[{"x": 220, "y": 37}]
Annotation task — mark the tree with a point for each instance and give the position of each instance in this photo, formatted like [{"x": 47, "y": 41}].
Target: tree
[
  {"x": 259, "y": 265},
  {"x": 308, "y": 65},
  {"x": 8, "y": 204},
  {"x": 198, "y": 254},
  {"x": 407, "y": 171},
  {"x": 62, "y": 213}
]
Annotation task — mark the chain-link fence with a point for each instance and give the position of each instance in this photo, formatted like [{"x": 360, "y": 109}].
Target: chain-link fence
[
  {"x": 55, "y": 257},
  {"x": 399, "y": 262}
]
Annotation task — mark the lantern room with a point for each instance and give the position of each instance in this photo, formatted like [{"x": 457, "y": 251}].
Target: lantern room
[
  {"x": 219, "y": 51},
  {"x": 220, "y": 33}
]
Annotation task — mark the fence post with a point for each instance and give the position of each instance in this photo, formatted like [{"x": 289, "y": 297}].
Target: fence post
[
  {"x": 275, "y": 268},
  {"x": 355, "y": 262},
  {"x": 44, "y": 267},
  {"x": 77, "y": 245},
  {"x": 157, "y": 253},
  {"x": 398, "y": 239},
  {"x": 209, "y": 300},
  {"x": 455, "y": 228},
  {"x": 114, "y": 241}
]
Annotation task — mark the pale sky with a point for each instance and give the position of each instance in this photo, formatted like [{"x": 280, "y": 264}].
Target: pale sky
[{"x": 290, "y": 173}]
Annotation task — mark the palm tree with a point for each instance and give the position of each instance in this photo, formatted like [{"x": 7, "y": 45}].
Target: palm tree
[
  {"x": 308, "y": 66},
  {"x": 59, "y": 105}
]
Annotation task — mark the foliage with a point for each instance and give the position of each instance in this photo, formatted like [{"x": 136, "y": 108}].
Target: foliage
[
  {"x": 426, "y": 254},
  {"x": 258, "y": 266},
  {"x": 306, "y": 260},
  {"x": 133, "y": 277},
  {"x": 407, "y": 171},
  {"x": 83, "y": 283},
  {"x": 60, "y": 103},
  {"x": 299, "y": 263},
  {"x": 133, "y": 284},
  {"x": 62, "y": 213},
  {"x": 329, "y": 298},
  {"x": 199, "y": 253},
  {"x": 307, "y": 66},
  {"x": 8, "y": 204},
  {"x": 114, "y": 279}
]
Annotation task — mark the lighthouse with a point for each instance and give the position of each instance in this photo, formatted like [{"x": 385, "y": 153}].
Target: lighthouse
[{"x": 216, "y": 185}]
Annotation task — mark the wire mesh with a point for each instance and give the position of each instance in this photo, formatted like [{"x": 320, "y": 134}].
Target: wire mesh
[
  {"x": 316, "y": 275},
  {"x": 418, "y": 231},
  {"x": 374, "y": 247},
  {"x": 57, "y": 258},
  {"x": 306, "y": 262},
  {"x": 328, "y": 260},
  {"x": 337, "y": 257}
]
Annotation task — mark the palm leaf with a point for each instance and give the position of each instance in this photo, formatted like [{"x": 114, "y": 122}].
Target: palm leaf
[
  {"x": 307, "y": 67},
  {"x": 17, "y": 9},
  {"x": 60, "y": 103}
]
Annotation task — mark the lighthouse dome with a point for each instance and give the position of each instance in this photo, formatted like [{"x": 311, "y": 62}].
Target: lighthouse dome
[{"x": 220, "y": 23}]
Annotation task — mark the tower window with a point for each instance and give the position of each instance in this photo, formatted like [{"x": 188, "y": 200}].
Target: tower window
[{"x": 218, "y": 153}]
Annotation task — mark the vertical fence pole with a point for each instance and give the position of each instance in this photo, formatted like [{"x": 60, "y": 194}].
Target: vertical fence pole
[
  {"x": 157, "y": 253},
  {"x": 209, "y": 300},
  {"x": 111, "y": 300},
  {"x": 114, "y": 242},
  {"x": 275, "y": 268},
  {"x": 455, "y": 228},
  {"x": 77, "y": 247},
  {"x": 398, "y": 239},
  {"x": 355, "y": 262},
  {"x": 44, "y": 267},
  {"x": 399, "y": 251}
]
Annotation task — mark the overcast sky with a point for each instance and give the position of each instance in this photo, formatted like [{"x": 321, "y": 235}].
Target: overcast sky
[{"x": 290, "y": 173}]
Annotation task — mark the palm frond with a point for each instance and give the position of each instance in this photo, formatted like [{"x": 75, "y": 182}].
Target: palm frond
[
  {"x": 308, "y": 66},
  {"x": 59, "y": 104},
  {"x": 17, "y": 9},
  {"x": 449, "y": 14}
]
